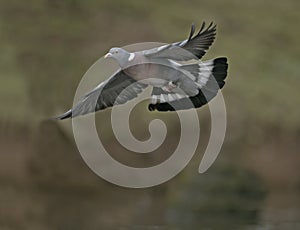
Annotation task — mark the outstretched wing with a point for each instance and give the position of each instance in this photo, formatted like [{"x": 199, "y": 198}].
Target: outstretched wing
[
  {"x": 193, "y": 47},
  {"x": 118, "y": 89}
]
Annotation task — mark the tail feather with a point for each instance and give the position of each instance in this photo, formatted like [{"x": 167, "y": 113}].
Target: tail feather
[
  {"x": 203, "y": 71},
  {"x": 209, "y": 76}
]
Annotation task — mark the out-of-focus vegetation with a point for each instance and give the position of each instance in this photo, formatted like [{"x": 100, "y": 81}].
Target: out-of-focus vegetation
[{"x": 46, "y": 47}]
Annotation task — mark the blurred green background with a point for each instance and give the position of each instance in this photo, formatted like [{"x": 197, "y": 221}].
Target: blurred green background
[{"x": 46, "y": 47}]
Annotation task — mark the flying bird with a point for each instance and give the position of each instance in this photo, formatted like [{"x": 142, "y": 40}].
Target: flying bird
[{"x": 178, "y": 77}]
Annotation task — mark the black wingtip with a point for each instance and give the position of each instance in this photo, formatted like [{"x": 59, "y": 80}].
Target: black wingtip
[
  {"x": 66, "y": 115},
  {"x": 202, "y": 27},
  {"x": 210, "y": 27},
  {"x": 192, "y": 31}
]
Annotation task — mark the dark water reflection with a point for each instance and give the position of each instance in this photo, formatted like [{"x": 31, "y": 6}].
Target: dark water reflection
[
  {"x": 50, "y": 187},
  {"x": 223, "y": 198},
  {"x": 281, "y": 210}
]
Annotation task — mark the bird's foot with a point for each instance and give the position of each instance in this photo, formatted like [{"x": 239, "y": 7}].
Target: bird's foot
[{"x": 169, "y": 88}]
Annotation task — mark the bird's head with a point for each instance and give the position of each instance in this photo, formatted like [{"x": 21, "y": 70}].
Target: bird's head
[{"x": 119, "y": 54}]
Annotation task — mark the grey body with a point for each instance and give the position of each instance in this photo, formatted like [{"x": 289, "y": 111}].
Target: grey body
[{"x": 156, "y": 72}]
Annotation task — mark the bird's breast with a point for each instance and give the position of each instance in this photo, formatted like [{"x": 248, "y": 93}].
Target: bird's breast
[{"x": 147, "y": 73}]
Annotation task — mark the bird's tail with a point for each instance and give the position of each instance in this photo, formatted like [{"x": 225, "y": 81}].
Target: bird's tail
[
  {"x": 208, "y": 75},
  {"x": 205, "y": 71}
]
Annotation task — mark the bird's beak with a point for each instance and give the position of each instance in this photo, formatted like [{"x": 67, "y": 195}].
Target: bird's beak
[{"x": 107, "y": 55}]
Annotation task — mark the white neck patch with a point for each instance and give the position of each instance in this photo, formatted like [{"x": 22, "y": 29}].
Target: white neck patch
[{"x": 131, "y": 56}]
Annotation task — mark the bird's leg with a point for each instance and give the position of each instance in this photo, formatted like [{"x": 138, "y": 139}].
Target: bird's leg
[{"x": 169, "y": 87}]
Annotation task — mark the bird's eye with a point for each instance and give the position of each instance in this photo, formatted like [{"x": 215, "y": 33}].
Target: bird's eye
[{"x": 117, "y": 52}]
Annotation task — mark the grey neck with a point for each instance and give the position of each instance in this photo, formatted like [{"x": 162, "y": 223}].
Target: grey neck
[{"x": 123, "y": 62}]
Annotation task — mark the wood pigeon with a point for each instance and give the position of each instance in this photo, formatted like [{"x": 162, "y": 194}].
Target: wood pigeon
[{"x": 178, "y": 77}]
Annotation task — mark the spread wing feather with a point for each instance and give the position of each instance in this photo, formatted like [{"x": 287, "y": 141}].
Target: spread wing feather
[
  {"x": 192, "y": 48},
  {"x": 118, "y": 89}
]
